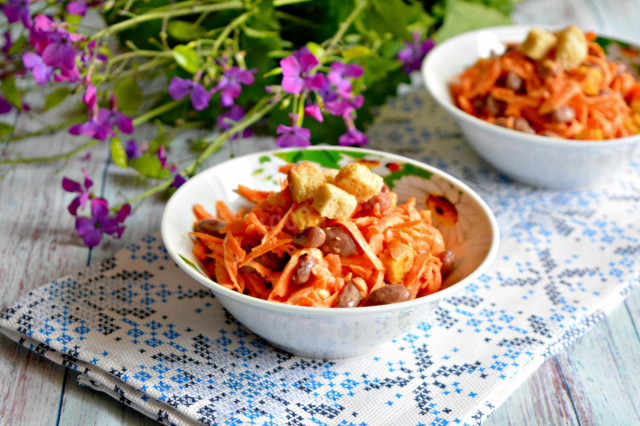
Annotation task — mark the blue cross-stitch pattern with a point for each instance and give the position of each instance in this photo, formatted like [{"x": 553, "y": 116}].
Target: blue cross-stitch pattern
[{"x": 137, "y": 328}]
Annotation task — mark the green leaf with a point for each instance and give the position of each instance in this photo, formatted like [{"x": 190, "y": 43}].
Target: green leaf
[
  {"x": 327, "y": 159},
  {"x": 128, "y": 95},
  {"x": 316, "y": 49},
  {"x": 73, "y": 21},
  {"x": 187, "y": 58},
  {"x": 253, "y": 33},
  {"x": 149, "y": 165},
  {"x": 462, "y": 16},
  {"x": 56, "y": 97},
  {"x": 377, "y": 68},
  {"x": 17, "y": 46},
  {"x": 118, "y": 154},
  {"x": 264, "y": 159},
  {"x": 184, "y": 31},
  {"x": 5, "y": 129},
  {"x": 356, "y": 52},
  {"x": 10, "y": 91},
  {"x": 190, "y": 263}
]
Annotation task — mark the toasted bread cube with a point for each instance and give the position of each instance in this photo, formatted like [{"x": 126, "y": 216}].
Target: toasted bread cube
[
  {"x": 572, "y": 47},
  {"x": 358, "y": 180},
  {"x": 305, "y": 216},
  {"x": 304, "y": 179},
  {"x": 330, "y": 175},
  {"x": 333, "y": 202},
  {"x": 538, "y": 43},
  {"x": 398, "y": 259}
]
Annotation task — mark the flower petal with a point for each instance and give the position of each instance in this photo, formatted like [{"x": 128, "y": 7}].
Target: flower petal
[
  {"x": 200, "y": 97},
  {"x": 70, "y": 185},
  {"x": 179, "y": 88},
  {"x": 308, "y": 62},
  {"x": 290, "y": 66},
  {"x": 292, "y": 85}
]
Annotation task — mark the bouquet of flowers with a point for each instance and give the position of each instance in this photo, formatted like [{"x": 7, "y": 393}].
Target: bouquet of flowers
[{"x": 305, "y": 71}]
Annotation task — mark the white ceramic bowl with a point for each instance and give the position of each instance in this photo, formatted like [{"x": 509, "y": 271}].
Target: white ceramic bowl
[
  {"x": 333, "y": 332},
  {"x": 532, "y": 159}
]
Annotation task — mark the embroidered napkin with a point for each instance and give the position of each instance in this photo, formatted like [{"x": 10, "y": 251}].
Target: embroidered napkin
[{"x": 140, "y": 330}]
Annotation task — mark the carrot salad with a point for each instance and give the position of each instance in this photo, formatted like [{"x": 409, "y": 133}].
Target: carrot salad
[
  {"x": 553, "y": 84},
  {"x": 325, "y": 239}
]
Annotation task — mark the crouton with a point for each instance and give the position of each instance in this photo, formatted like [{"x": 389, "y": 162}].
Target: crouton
[
  {"x": 538, "y": 43},
  {"x": 572, "y": 47},
  {"x": 358, "y": 180},
  {"x": 330, "y": 175},
  {"x": 398, "y": 259},
  {"x": 305, "y": 216},
  {"x": 304, "y": 179},
  {"x": 333, "y": 202}
]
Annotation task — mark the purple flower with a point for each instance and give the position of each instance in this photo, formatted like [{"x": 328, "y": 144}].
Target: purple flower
[
  {"x": 132, "y": 150},
  {"x": 100, "y": 124},
  {"x": 16, "y": 10},
  {"x": 235, "y": 114},
  {"x": 292, "y": 136},
  {"x": 178, "y": 180},
  {"x": 315, "y": 112},
  {"x": 229, "y": 85},
  {"x": 343, "y": 107},
  {"x": 90, "y": 97},
  {"x": 41, "y": 71},
  {"x": 91, "y": 229},
  {"x": 5, "y": 106},
  {"x": 180, "y": 87},
  {"x": 353, "y": 136},
  {"x": 413, "y": 54},
  {"x": 77, "y": 7},
  {"x": 296, "y": 77},
  {"x": 7, "y": 42},
  {"x": 60, "y": 53},
  {"x": 339, "y": 75},
  {"x": 83, "y": 189}
]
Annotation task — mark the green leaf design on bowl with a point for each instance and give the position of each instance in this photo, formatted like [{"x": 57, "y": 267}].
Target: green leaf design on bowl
[
  {"x": 326, "y": 158},
  {"x": 406, "y": 170},
  {"x": 621, "y": 51}
]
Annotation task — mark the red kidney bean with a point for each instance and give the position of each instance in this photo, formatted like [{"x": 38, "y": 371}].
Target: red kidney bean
[
  {"x": 272, "y": 261},
  {"x": 302, "y": 272},
  {"x": 311, "y": 237},
  {"x": 563, "y": 114},
  {"x": 210, "y": 227},
  {"x": 339, "y": 241},
  {"x": 513, "y": 82},
  {"x": 381, "y": 199},
  {"x": 448, "y": 259},
  {"x": 390, "y": 293},
  {"x": 494, "y": 106},
  {"x": 350, "y": 296}
]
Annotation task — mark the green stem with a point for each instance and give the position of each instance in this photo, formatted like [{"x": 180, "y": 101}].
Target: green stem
[
  {"x": 227, "y": 30},
  {"x": 44, "y": 131},
  {"x": 155, "y": 112},
  {"x": 344, "y": 26},
  {"x": 265, "y": 105},
  {"x": 133, "y": 54},
  {"x": 151, "y": 16},
  {"x": 57, "y": 157}
]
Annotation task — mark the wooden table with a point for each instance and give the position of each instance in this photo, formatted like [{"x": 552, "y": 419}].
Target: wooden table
[{"x": 593, "y": 382}]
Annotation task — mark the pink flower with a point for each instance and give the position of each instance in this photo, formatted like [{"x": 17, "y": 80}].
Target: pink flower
[{"x": 296, "y": 73}]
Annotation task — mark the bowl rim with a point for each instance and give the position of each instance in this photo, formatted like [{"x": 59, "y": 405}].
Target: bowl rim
[
  {"x": 429, "y": 63},
  {"x": 322, "y": 311}
]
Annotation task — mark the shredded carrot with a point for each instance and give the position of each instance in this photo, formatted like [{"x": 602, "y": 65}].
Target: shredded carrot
[
  {"x": 598, "y": 93},
  {"x": 252, "y": 195},
  {"x": 255, "y": 253},
  {"x": 201, "y": 213}
]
